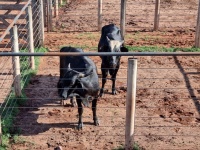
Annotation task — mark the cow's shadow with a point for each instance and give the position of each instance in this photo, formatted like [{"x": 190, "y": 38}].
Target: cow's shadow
[{"x": 44, "y": 102}]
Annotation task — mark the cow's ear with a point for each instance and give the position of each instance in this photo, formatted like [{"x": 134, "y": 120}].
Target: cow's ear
[{"x": 124, "y": 49}]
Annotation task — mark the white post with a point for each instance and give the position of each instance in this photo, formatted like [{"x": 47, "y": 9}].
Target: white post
[
  {"x": 56, "y": 8},
  {"x": 123, "y": 17},
  {"x": 157, "y": 15},
  {"x": 30, "y": 36},
  {"x": 16, "y": 62},
  {"x": 130, "y": 103},
  {"x": 99, "y": 15},
  {"x": 41, "y": 22},
  {"x": 197, "y": 36}
]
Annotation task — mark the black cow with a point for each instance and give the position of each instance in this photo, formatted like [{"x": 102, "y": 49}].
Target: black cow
[
  {"x": 111, "y": 41},
  {"x": 78, "y": 76}
]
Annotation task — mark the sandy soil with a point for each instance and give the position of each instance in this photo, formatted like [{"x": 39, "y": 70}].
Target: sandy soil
[{"x": 167, "y": 106}]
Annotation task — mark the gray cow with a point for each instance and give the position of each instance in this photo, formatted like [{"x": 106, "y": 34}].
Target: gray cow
[
  {"x": 111, "y": 41},
  {"x": 78, "y": 76}
]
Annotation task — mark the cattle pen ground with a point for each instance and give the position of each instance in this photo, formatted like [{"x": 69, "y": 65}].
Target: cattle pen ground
[{"x": 168, "y": 91}]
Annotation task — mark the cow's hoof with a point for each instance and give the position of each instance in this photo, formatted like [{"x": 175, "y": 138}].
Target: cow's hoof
[
  {"x": 101, "y": 94},
  {"x": 80, "y": 126},
  {"x": 114, "y": 92},
  {"x": 96, "y": 122}
]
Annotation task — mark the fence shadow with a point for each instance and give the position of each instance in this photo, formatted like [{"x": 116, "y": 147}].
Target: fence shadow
[{"x": 188, "y": 84}]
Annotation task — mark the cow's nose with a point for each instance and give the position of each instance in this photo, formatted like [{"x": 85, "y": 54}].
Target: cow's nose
[{"x": 64, "y": 94}]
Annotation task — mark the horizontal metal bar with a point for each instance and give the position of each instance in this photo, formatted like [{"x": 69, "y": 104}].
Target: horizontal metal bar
[{"x": 103, "y": 54}]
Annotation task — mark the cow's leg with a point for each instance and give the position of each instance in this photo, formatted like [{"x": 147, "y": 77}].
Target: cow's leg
[
  {"x": 80, "y": 112},
  {"x": 62, "y": 102},
  {"x": 94, "y": 109},
  {"x": 104, "y": 75},
  {"x": 72, "y": 101},
  {"x": 114, "y": 92}
]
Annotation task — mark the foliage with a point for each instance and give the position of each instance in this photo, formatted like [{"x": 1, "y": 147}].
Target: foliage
[{"x": 135, "y": 147}]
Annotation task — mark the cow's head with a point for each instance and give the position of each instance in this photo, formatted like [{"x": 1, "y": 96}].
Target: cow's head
[
  {"x": 70, "y": 83},
  {"x": 113, "y": 46}
]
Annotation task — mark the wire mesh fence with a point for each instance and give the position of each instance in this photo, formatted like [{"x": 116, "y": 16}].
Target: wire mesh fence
[
  {"x": 15, "y": 70},
  {"x": 140, "y": 15},
  {"x": 167, "y": 104},
  {"x": 167, "y": 107}
]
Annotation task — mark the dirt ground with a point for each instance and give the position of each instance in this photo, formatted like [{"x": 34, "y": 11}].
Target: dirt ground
[{"x": 167, "y": 106}]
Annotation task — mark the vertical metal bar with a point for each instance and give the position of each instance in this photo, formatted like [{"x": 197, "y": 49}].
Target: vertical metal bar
[
  {"x": 130, "y": 103},
  {"x": 197, "y": 34},
  {"x": 30, "y": 36},
  {"x": 16, "y": 61},
  {"x": 41, "y": 22},
  {"x": 99, "y": 15},
  {"x": 157, "y": 15},
  {"x": 123, "y": 17}
]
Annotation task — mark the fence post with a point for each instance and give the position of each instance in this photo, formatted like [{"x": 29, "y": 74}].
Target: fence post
[
  {"x": 16, "y": 61},
  {"x": 197, "y": 36},
  {"x": 123, "y": 17},
  {"x": 60, "y": 2},
  {"x": 130, "y": 103},
  {"x": 41, "y": 22},
  {"x": 0, "y": 131},
  {"x": 45, "y": 12},
  {"x": 55, "y": 8},
  {"x": 49, "y": 13},
  {"x": 157, "y": 15},
  {"x": 30, "y": 37},
  {"x": 99, "y": 15}
]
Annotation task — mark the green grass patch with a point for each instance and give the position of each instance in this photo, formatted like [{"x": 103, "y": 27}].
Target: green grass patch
[
  {"x": 160, "y": 49},
  {"x": 135, "y": 147},
  {"x": 9, "y": 108}
]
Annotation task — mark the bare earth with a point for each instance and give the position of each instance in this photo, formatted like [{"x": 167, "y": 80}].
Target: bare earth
[{"x": 167, "y": 106}]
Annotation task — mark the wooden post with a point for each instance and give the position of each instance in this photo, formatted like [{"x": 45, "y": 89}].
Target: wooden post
[
  {"x": 16, "y": 61},
  {"x": 48, "y": 25},
  {"x": 157, "y": 15},
  {"x": 55, "y": 8},
  {"x": 123, "y": 17},
  {"x": 41, "y": 22},
  {"x": 130, "y": 103},
  {"x": 197, "y": 34},
  {"x": 0, "y": 131},
  {"x": 45, "y": 12},
  {"x": 99, "y": 15},
  {"x": 49, "y": 10},
  {"x": 30, "y": 36}
]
